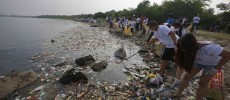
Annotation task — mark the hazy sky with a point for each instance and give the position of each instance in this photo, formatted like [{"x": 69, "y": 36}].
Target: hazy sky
[{"x": 70, "y": 7}]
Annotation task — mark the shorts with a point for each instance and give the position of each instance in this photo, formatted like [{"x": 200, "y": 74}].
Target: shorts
[
  {"x": 194, "y": 26},
  {"x": 205, "y": 68},
  {"x": 168, "y": 54},
  {"x": 110, "y": 25}
]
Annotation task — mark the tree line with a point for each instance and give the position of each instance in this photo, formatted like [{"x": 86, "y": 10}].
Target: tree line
[{"x": 179, "y": 8}]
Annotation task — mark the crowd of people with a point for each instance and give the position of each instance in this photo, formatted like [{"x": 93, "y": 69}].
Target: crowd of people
[
  {"x": 190, "y": 56},
  {"x": 141, "y": 24},
  {"x": 132, "y": 24}
]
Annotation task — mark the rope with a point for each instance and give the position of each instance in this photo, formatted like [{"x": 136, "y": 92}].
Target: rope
[
  {"x": 132, "y": 55},
  {"x": 136, "y": 53}
]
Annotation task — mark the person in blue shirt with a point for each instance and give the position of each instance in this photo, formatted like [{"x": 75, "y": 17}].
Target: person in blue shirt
[{"x": 170, "y": 20}]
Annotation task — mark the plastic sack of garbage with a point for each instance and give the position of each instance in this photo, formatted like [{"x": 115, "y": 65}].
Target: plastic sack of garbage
[
  {"x": 127, "y": 31},
  {"x": 154, "y": 81},
  {"x": 117, "y": 27},
  {"x": 145, "y": 26}
]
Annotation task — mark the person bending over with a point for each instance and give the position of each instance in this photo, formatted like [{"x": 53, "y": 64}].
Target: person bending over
[
  {"x": 193, "y": 56},
  {"x": 168, "y": 38}
]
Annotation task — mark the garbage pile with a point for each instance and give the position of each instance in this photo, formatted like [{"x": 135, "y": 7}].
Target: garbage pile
[{"x": 64, "y": 69}]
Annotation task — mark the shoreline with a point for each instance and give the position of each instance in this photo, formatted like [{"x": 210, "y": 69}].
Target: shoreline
[{"x": 152, "y": 63}]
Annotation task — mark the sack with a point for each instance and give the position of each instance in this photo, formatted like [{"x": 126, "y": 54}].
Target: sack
[
  {"x": 159, "y": 49},
  {"x": 127, "y": 31},
  {"x": 155, "y": 80},
  {"x": 189, "y": 28},
  {"x": 216, "y": 87},
  {"x": 145, "y": 26},
  {"x": 117, "y": 27}
]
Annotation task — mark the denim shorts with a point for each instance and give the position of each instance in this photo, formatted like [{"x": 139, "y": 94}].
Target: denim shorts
[{"x": 205, "y": 68}]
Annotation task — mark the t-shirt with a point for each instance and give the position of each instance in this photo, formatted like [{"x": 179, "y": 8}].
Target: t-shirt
[
  {"x": 167, "y": 24},
  {"x": 183, "y": 21},
  {"x": 163, "y": 35},
  {"x": 180, "y": 32},
  {"x": 170, "y": 21},
  {"x": 138, "y": 20},
  {"x": 110, "y": 20},
  {"x": 125, "y": 22},
  {"x": 132, "y": 24},
  {"x": 196, "y": 19},
  {"x": 184, "y": 32},
  {"x": 142, "y": 20},
  {"x": 146, "y": 21},
  {"x": 208, "y": 54}
]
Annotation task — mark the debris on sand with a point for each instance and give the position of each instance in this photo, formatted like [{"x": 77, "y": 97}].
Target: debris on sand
[{"x": 61, "y": 80}]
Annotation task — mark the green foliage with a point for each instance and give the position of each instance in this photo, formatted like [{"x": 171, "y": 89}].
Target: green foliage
[
  {"x": 208, "y": 18},
  {"x": 223, "y": 6},
  {"x": 185, "y": 8},
  {"x": 99, "y": 14},
  {"x": 225, "y": 21}
]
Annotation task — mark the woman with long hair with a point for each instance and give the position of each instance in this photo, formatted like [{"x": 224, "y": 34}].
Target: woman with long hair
[{"x": 193, "y": 56}]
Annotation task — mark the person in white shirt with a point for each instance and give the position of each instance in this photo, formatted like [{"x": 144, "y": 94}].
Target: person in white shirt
[
  {"x": 168, "y": 38},
  {"x": 124, "y": 22},
  {"x": 132, "y": 25},
  {"x": 193, "y": 56},
  {"x": 184, "y": 20},
  {"x": 146, "y": 20},
  {"x": 195, "y": 22},
  {"x": 144, "y": 24}
]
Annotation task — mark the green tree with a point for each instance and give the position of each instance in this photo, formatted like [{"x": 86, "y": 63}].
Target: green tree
[
  {"x": 142, "y": 8},
  {"x": 223, "y": 6},
  {"x": 99, "y": 15}
]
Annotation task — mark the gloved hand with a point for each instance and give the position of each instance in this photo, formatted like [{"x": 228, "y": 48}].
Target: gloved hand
[
  {"x": 176, "y": 82},
  {"x": 212, "y": 71}
]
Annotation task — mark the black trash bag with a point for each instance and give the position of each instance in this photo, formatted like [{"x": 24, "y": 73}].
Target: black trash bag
[
  {"x": 99, "y": 66},
  {"x": 85, "y": 60},
  {"x": 72, "y": 76},
  {"x": 120, "y": 53}
]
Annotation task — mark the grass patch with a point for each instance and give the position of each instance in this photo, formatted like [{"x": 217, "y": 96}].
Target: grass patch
[{"x": 218, "y": 36}]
